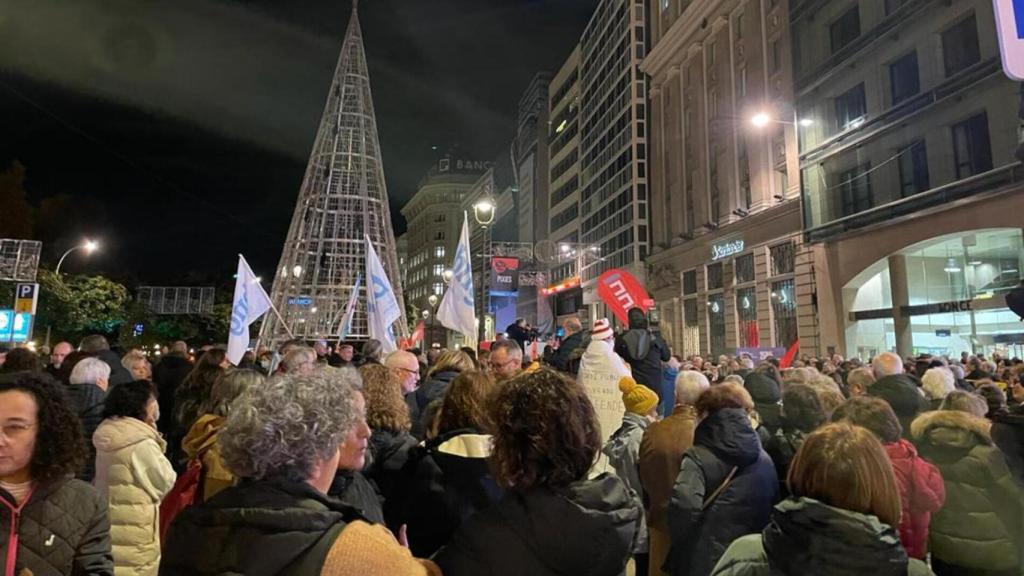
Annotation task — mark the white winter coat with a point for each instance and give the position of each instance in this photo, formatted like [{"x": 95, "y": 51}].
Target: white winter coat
[
  {"x": 600, "y": 371},
  {"x": 134, "y": 475}
]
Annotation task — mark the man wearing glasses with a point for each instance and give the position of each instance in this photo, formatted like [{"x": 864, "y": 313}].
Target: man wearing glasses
[
  {"x": 406, "y": 368},
  {"x": 506, "y": 360}
]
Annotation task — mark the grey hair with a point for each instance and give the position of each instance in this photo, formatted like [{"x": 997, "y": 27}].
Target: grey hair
[
  {"x": 297, "y": 356},
  {"x": 957, "y": 370},
  {"x": 690, "y": 384},
  {"x": 988, "y": 367},
  {"x": 963, "y": 401},
  {"x": 229, "y": 386},
  {"x": 747, "y": 362},
  {"x": 346, "y": 375},
  {"x": 89, "y": 371},
  {"x": 736, "y": 378},
  {"x": 129, "y": 359},
  {"x": 287, "y": 425},
  {"x": 937, "y": 383}
]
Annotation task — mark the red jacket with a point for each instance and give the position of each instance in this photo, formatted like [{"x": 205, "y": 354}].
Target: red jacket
[{"x": 921, "y": 492}]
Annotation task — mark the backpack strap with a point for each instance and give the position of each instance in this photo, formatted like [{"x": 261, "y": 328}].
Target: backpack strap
[{"x": 725, "y": 484}]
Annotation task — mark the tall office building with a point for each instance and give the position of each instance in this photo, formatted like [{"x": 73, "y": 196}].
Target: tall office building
[
  {"x": 613, "y": 149},
  {"x": 911, "y": 180},
  {"x": 343, "y": 200},
  {"x": 728, "y": 268}
]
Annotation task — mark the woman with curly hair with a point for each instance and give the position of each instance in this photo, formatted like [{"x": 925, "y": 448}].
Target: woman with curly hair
[
  {"x": 59, "y": 524},
  {"x": 449, "y": 364},
  {"x": 388, "y": 417},
  {"x": 553, "y": 520},
  {"x": 448, "y": 479},
  {"x": 286, "y": 439},
  {"x": 134, "y": 475}
]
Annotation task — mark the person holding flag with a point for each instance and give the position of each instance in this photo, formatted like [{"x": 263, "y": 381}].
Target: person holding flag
[
  {"x": 457, "y": 311},
  {"x": 250, "y": 302}
]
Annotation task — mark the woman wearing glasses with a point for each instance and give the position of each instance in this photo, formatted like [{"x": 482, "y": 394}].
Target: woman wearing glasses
[{"x": 53, "y": 523}]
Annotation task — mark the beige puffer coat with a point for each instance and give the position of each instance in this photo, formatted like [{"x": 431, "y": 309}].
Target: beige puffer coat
[{"x": 134, "y": 475}]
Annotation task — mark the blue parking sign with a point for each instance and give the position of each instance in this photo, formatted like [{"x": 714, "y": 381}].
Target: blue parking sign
[
  {"x": 1010, "y": 28},
  {"x": 6, "y": 325},
  {"x": 21, "y": 327}
]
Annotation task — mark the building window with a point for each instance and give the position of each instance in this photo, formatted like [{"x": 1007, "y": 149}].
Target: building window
[
  {"x": 904, "y": 78},
  {"x": 711, "y": 54},
  {"x": 691, "y": 327},
  {"x": 851, "y": 108},
  {"x": 716, "y": 324},
  {"x": 744, "y": 268},
  {"x": 665, "y": 4},
  {"x": 438, "y": 288},
  {"x": 774, "y": 56},
  {"x": 746, "y": 312},
  {"x": 913, "y": 164},
  {"x": 784, "y": 313},
  {"x": 690, "y": 282},
  {"x": 438, "y": 251},
  {"x": 783, "y": 257},
  {"x": 741, "y": 82},
  {"x": 846, "y": 29},
  {"x": 712, "y": 103},
  {"x": 438, "y": 269},
  {"x": 739, "y": 26},
  {"x": 715, "y": 276},
  {"x": 855, "y": 190},
  {"x": 960, "y": 45},
  {"x": 971, "y": 149},
  {"x": 746, "y": 196}
]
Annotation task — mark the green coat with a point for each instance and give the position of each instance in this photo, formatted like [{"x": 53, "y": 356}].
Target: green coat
[{"x": 980, "y": 525}]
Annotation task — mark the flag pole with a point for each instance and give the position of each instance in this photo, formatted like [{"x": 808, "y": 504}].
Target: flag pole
[{"x": 281, "y": 320}]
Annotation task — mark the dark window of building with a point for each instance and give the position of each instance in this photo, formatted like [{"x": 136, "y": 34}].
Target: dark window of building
[
  {"x": 960, "y": 45},
  {"x": 714, "y": 276},
  {"x": 690, "y": 282},
  {"x": 774, "y": 56},
  {"x": 746, "y": 195},
  {"x": 914, "y": 169},
  {"x": 846, "y": 29},
  {"x": 855, "y": 190},
  {"x": 851, "y": 108},
  {"x": 783, "y": 257},
  {"x": 739, "y": 26},
  {"x": 716, "y": 324},
  {"x": 784, "y": 313},
  {"x": 904, "y": 78},
  {"x": 746, "y": 312},
  {"x": 744, "y": 268},
  {"x": 972, "y": 152}
]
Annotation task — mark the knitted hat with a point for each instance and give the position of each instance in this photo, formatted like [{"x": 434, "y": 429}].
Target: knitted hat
[
  {"x": 639, "y": 399},
  {"x": 602, "y": 330}
]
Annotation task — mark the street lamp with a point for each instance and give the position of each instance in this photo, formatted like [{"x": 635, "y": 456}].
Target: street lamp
[
  {"x": 447, "y": 276},
  {"x": 430, "y": 315},
  {"x": 89, "y": 246},
  {"x": 483, "y": 213}
]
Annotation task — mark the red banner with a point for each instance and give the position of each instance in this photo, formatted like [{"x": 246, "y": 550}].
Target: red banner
[
  {"x": 621, "y": 291},
  {"x": 417, "y": 336},
  {"x": 787, "y": 360}
]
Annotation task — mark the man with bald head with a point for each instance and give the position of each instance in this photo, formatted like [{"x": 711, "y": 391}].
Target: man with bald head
[
  {"x": 887, "y": 364},
  {"x": 406, "y": 368},
  {"x": 898, "y": 389},
  {"x": 571, "y": 343},
  {"x": 60, "y": 351}
]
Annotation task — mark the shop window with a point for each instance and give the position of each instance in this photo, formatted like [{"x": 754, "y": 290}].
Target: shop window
[
  {"x": 971, "y": 149},
  {"x": 855, "y": 190},
  {"x": 716, "y": 324},
  {"x": 846, "y": 29},
  {"x": 784, "y": 312},
  {"x": 913, "y": 164},
  {"x": 744, "y": 268},
  {"x": 746, "y": 312},
  {"x": 783, "y": 257},
  {"x": 960, "y": 46},
  {"x": 851, "y": 108},
  {"x": 903, "y": 77},
  {"x": 691, "y": 327},
  {"x": 690, "y": 282},
  {"x": 715, "y": 276}
]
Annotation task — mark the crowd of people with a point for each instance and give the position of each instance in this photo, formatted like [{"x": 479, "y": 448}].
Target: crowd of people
[{"x": 312, "y": 459}]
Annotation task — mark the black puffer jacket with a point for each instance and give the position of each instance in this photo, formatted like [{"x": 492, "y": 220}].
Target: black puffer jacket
[
  {"x": 808, "y": 537},
  {"x": 390, "y": 451},
  {"x": 1008, "y": 434},
  {"x": 644, "y": 351},
  {"x": 168, "y": 374},
  {"x": 446, "y": 481},
  {"x": 431, "y": 390},
  {"x": 87, "y": 400},
  {"x": 353, "y": 489},
  {"x": 782, "y": 447},
  {"x": 562, "y": 359},
  {"x": 723, "y": 440},
  {"x": 585, "y": 529},
  {"x": 63, "y": 530},
  {"x": 903, "y": 395},
  {"x": 118, "y": 373},
  {"x": 268, "y": 527},
  {"x": 767, "y": 396}
]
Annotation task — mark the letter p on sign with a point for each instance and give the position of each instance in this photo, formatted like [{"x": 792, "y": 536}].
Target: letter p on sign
[
  {"x": 1010, "y": 28},
  {"x": 25, "y": 298}
]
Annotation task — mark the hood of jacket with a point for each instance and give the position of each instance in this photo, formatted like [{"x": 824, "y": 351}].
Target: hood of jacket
[
  {"x": 586, "y": 528},
  {"x": 631, "y": 432},
  {"x": 729, "y": 434},
  {"x": 115, "y": 434},
  {"x": 901, "y": 392},
  {"x": 951, "y": 429},
  {"x": 434, "y": 387},
  {"x": 910, "y": 469},
  {"x": 203, "y": 434},
  {"x": 763, "y": 389},
  {"x": 806, "y": 536},
  {"x": 87, "y": 399}
]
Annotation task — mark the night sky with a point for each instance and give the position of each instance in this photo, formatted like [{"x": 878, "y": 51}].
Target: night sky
[{"x": 180, "y": 130}]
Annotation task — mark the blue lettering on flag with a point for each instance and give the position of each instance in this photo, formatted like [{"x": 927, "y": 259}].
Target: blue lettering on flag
[
  {"x": 239, "y": 315},
  {"x": 463, "y": 274},
  {"x": 381, "y": 291},
  {"x": 1018, "y": 17}
]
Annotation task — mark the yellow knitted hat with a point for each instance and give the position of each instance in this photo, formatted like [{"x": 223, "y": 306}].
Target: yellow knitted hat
[{"x": 639, "y": 399}]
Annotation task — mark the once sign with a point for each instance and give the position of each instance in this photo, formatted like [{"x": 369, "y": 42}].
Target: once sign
[{"x": 726, "y": 249}]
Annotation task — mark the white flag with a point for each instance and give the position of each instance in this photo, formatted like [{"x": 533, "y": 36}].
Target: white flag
[
  {"x": 381, "y": 305},
  {"x": 250, "y": 302},
  {"x": 456, "y": 310},
  {"x": 350, "y": 310}
]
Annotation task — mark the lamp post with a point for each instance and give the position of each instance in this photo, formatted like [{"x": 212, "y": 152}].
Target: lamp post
[
  {"x": 431, "y": 315},
  {"x": 89, "y": 246},
  {"x": 483, "y": 213},
  {"x": 427, "y": 316}
]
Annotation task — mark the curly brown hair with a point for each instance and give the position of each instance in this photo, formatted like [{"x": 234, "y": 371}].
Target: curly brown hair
[
  {"x": 60, "y": 448},
  {"x": 725, "y": 395},
  {"x": 465, "y": 403},
  {"x": 546, "y": 432},
  {"x": 385, "y": 407}
]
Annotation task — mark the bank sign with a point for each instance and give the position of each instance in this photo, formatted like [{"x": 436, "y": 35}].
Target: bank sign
[{"x": 1010, "y": 28}]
